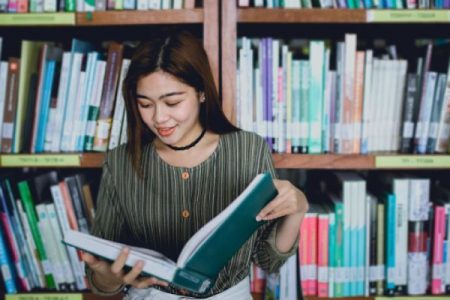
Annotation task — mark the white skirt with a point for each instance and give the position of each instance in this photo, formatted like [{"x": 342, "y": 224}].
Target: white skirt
[{"x": 240, "y": 291}]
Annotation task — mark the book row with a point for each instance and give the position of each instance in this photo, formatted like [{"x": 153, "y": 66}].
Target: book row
[
  {"x": 381, "y": 235},
  {"x": 39, "y": 6},
  {"x": 54, "y": 99},
  {"x": 369, "y": 237},
  {"x": 35, "y": 212},
  {"x": 313, "y": 96},
  {"x": 353, "y": 4}
]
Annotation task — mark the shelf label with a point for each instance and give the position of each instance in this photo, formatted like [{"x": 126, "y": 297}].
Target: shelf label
[
  {"x": 44, "y": 297},
  {"x": 412, "y": 161},
  {"x": 38, "y": 19},
  {"x": 40, "y": 160},
  {"x": 408, "y": 16}
]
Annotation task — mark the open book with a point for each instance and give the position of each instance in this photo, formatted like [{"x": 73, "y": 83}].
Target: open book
[{"x": 205, "y": 253}]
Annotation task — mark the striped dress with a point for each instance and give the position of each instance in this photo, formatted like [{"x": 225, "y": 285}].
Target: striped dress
[{"x": 162, "y": 209}]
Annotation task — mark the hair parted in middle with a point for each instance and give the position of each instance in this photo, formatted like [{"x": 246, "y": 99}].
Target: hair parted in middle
[{"x": 181, "y": 55}]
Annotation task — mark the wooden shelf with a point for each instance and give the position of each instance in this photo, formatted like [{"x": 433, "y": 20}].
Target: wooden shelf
[
  {"x": 330, "y": 15},
  {"x": 57, "y": 296},
  {"x": 323, "y": 161},
  {"x": 262, "y": 15},
  {"x": 170, "y": 16},
  {"x": 281, "y": 161},
  {"x": 49, "y": 160}
]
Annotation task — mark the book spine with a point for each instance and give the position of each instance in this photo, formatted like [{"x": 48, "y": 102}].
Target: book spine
[
  {"x": 438, "y": 245},
  {"x": 27, "y": 200},
  {"x": 119, "y": 109},
  {"x": 322, "y": 255},
  {"x": 94, "y": 107},
  {"x": 109, "y": 89},
  {"x": 9, "y": 113},
  {"x": 6, "y": 267},
  {"x": 63, "y": 218}
]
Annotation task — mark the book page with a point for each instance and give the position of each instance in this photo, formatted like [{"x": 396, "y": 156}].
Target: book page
[
  {"x": 156, "y": 264},
  {"x": 200, "y": 236}
]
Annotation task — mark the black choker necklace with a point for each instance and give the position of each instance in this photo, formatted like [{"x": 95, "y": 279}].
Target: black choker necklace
[{"x": 190, "y": 145}]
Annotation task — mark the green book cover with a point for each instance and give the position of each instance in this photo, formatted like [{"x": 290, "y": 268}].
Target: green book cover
[
  {"x": 29, "y": 57},
  {"x": 207, "y": 251},
  {"x": 27, "y": 200}
]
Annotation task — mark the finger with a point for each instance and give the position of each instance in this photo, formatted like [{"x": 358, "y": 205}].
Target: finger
[
  {"x": 88, "y": 258},
  {"x": 134, "y": 273},
  {"x": 278, "y": 214},
  {"x": 270, "y": 207},
  {"x": 119, "y": 263},
  {"x": 145, "y": 282}
]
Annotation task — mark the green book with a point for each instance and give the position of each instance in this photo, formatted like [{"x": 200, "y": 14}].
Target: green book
[
  {"x": 27, "y": 200},
  {"x": 206, "y": 252}
]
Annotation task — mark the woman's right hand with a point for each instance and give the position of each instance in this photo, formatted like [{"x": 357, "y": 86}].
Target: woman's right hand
[{"x": 110, "y": 277}]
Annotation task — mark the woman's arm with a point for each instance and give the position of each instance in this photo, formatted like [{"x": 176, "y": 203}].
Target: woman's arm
[{"x": 290, "y": 205}]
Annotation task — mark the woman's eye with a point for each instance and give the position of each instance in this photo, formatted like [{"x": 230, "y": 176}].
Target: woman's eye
[
  {"x": 147, "y": 105},
  {"x": 173, "y": 103}
]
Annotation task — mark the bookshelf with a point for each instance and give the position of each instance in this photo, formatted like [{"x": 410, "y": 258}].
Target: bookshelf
[
  {"x": 223, "y": 61},
  {"x": 97, "y": 26},
  {"x": 397, "y": 26}
]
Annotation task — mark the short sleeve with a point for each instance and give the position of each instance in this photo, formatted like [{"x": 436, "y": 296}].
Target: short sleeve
[{"x": 265, "y": 254}]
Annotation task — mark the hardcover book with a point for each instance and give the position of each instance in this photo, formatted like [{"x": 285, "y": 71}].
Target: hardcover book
[{"x": 206, "y": 252}]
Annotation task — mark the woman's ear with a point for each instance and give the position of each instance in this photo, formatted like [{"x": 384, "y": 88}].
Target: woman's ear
[{"x": 202, "y": 97}]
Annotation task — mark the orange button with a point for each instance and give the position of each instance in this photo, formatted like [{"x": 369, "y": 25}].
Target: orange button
[
  {"x": 185, "y": 214},
  {"x": 185, "y": 175}
]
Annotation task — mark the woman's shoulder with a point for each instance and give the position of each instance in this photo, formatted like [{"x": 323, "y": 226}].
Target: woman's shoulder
[
  {"x": 117, "y": 157},
  {"x": 245, "y": 138}
]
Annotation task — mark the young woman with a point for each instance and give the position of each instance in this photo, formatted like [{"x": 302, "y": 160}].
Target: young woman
[{"x": 183, "y": 164}]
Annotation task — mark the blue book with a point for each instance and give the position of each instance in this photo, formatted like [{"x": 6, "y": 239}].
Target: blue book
[
  {"x": 6, "y": 266},
  {"x": 390, "y": 243}
]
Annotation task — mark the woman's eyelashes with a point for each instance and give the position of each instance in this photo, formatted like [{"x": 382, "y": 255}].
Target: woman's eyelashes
[{"x": 150, "y": 105}]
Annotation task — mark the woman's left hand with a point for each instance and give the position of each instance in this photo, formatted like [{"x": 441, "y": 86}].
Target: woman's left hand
[{"x": 289, "y": 201}]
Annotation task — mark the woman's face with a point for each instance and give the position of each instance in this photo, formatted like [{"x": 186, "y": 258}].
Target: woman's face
[{"x": 169, "y": 108}]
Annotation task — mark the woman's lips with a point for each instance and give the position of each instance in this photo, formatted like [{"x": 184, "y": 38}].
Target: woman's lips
[{"x": 165, "y": 132}]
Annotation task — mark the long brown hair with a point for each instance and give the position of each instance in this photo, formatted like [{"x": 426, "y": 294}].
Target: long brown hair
[{"x": 183, "y": 56}]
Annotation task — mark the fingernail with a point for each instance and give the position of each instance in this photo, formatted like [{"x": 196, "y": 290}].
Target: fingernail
[{"x": 258, "y": 218}]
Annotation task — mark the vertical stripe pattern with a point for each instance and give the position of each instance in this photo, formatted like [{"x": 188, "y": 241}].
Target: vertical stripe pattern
[{"x": 147, "y": 212}]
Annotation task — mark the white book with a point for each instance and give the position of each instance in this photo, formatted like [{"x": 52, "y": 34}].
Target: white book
[
  {"x": 89, "y": 91},
  {"x": 444, "y": 120},
  {"x": 76, "y": 263},
  {"x": 50, "y": 5},
  {"x": 76, "y": 116},
  {"x": 177, "y": 4},
  {"x": 94, "y": 104},
  {"x": 50, "y": 246},
  {"x": 426, "y": 105},
  {"x": 349, "y": 93},
  {"x": 142, "y": 4},
  {"x": 205, "y": 253},
  {"x": 114, "y": 138},
  {"x": 367, "y": 102},
  {"x": 401, "y": 189},
  {"x": 154, "y": 4},
  {"x": 61, "y": 102},
  {"x": 288, "y": 279},
  {"x": 3, "y": 75},
  {"x": 166, "y": 4},
  {"x": 62, "y": 253},
  {"x": 30, "y": 244},
  {"x": 399, "y": 97},
  {"x": 72, "y": 95}
]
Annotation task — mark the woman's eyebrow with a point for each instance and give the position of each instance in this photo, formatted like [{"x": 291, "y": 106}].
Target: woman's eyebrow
[{"x": 162, "y": 96}]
